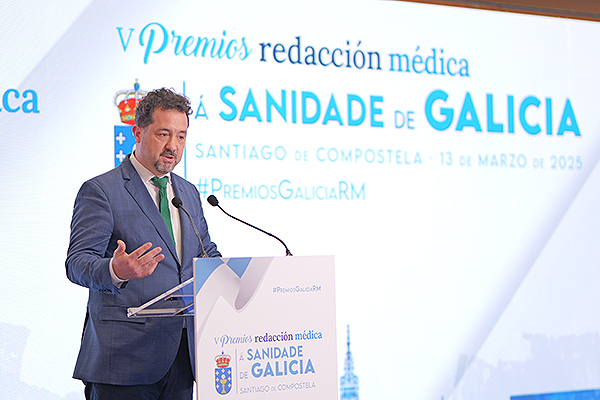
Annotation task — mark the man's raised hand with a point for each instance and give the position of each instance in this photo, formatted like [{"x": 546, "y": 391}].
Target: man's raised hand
[{"x": 139, "y": 263}]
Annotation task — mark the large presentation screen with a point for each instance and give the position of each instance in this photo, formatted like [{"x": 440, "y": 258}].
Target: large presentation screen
[{"x": 446, "y": 157}]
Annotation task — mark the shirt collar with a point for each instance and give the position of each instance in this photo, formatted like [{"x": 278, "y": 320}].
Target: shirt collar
[{"x": 144, "y": 172}]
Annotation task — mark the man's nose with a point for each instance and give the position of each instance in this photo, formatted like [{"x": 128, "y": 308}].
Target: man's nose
[{"x": 172, "y": 142}]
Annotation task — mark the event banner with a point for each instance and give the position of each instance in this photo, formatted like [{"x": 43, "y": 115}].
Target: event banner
[
  {"x": 447, "y": 158},
  {"x": 265, "y": 328}
]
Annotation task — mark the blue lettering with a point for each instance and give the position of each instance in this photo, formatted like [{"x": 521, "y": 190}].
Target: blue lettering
[
  {"x": 376, "y": 111},
  {"x": 5, "y": 103},
  {"x": 278, "y": 48},
  {"x": 293, "y": 371},
  {"x": 351, "y": 121},
  {"x": 448, "y": 113},
  {"x": 256, "y": 370},
  {"x": 321, "y": 61},
  {"x": 231, "y": 116},
  {"x": 268, "y": 370},
  {"x": 30, "y": 106},
  {"x": 511, "y": 114},
  {"x": 491, "y": 125},
  {"x": 569, "y": 115},
  {"x": 332, "y": 112},
  {"x": 125, "y": 45},
  {"x": 285, "y": 193},
  {"x": 206, "y": 42},
  {"x": 281, "y": 108},
  {"x": 314, "y": 118},
  {"x": 232, "y": 42},
  {"x": 150, "y": 40},
  {"x": 309, "y": 367},
  {"x": 246, "y": 112},
  {"x": 529, "y": 101},
  {"x": 468, "y": 109},
  {"x": 548, "y": 116}
]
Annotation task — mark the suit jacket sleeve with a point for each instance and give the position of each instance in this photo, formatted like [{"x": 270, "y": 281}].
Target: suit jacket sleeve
[{"x": 87, "y": 261}]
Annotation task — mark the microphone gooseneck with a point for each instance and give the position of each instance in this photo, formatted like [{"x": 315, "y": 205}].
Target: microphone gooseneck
[
  {"x": 212, "y": 200},
  {"x": 179, "y": 204}
]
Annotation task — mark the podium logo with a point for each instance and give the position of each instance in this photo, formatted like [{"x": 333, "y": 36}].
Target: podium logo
[{"x": 223, "y": 377}]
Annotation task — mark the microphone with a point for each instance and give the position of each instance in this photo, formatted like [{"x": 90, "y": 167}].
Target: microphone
[
  {"x": 179, "y": 204},
  {"x": 212, "y": 200}
]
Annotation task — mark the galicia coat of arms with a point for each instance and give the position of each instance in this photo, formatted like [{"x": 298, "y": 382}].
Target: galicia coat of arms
[
  {"x": 223, "y": 376},
  {"x": 126, "y": 101}
]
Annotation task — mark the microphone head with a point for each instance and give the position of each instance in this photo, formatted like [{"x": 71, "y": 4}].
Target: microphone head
[
  {"x": 212, "y": 200},
  {"x": 177, "y": 202}
]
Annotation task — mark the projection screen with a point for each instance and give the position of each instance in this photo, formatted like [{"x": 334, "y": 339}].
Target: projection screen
[{"x": 446, "y": 157}]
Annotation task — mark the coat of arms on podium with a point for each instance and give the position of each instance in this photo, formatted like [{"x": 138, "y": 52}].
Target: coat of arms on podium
[{"x": 223, "y": 377}]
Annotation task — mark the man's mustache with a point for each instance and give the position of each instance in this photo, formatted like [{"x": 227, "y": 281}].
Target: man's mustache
[{"x": 169, "y": 153}]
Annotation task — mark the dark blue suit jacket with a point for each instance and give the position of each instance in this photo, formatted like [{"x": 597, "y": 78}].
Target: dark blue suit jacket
[{"x": 116, "y": 205}]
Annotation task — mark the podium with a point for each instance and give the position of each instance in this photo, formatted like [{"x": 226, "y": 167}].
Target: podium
[{"x": 265, "y": 327}]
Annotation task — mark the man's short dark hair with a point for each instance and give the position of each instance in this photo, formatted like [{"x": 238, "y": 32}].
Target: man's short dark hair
[{"x": 164, "y": 99}]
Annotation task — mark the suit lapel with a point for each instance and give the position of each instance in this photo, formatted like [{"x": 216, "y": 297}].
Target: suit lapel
[{"x": 138, "y": 191}]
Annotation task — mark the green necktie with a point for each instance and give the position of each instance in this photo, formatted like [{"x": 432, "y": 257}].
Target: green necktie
[{"x": 163, "y": 202}]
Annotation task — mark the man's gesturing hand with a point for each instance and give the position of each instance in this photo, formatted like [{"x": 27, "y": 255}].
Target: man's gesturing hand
[{"x": 137, "y": 264}]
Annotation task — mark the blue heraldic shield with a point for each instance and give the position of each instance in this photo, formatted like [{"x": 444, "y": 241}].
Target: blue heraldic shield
[
  {"x": 223, "y": 376},
  {"x": 223, "y": 380}
]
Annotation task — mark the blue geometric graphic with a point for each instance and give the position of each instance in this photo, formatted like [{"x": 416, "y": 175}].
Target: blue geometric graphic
[
  {"x": 578, "y": 395},
  {"x": 209, "y": 265}
]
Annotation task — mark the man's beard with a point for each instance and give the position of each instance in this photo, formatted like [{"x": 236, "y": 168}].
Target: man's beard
[{"x": 166, "y": 168}]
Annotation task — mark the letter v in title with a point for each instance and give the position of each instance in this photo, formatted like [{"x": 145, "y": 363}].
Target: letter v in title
[{"x": 125, "y": 45}]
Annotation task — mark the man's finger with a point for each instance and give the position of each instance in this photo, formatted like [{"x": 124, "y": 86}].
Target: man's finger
[
  {"x": 151, "y": 266},
  {"x": 137, "y": 253},
  {"x": 120, "y": 250},
  {"x": 152, "y": 256}
]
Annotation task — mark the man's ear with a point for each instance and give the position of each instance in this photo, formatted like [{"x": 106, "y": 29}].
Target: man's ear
[{"x": 137, "y": 133}]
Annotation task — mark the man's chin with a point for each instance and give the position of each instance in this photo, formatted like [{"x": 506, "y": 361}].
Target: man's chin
[{"x": 164, "y": 168}]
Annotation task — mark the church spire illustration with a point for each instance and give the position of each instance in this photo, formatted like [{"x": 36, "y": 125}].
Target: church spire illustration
[{"x": 349, "y": 381}]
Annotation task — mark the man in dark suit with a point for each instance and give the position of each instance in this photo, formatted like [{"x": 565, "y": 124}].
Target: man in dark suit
[{"x": 128, "y": 245}]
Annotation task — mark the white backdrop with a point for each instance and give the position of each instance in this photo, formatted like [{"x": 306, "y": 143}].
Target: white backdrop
[{"x": 465, "y": 257}]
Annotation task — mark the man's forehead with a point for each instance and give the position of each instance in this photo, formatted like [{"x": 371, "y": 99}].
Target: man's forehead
[{"x": 158, "y": 124}]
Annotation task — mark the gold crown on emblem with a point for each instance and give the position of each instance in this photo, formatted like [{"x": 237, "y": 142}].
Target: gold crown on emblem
[
  {"x": 127, "y": 100},
  {"x": 222, "y": 360}
]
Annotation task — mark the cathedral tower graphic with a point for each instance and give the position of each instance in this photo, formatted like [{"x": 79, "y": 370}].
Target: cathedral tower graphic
[{"x": 349, "y": 381}]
